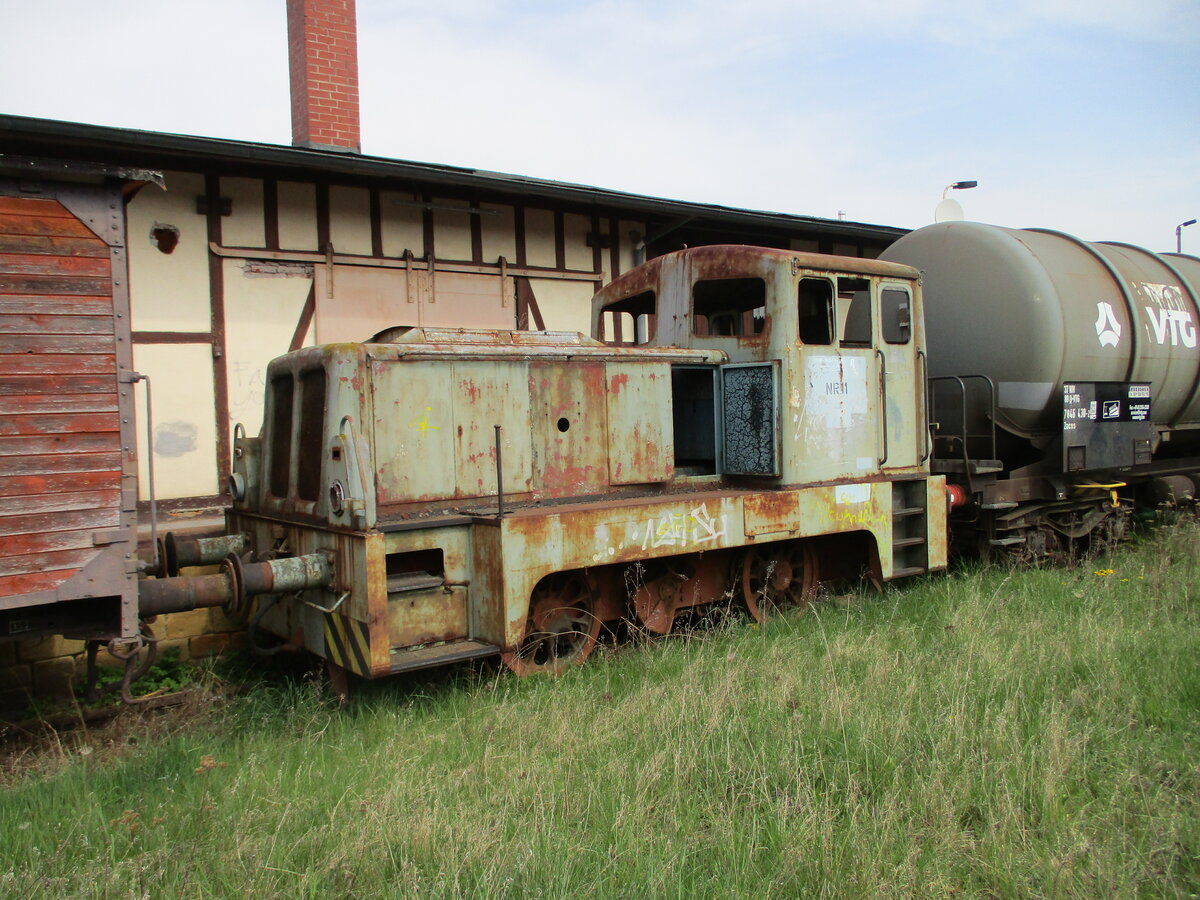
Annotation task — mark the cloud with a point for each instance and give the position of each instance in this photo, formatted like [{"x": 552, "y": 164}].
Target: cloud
[
  {"x": 1068, "y": 111},
  {"x": 217, "y": 68}
]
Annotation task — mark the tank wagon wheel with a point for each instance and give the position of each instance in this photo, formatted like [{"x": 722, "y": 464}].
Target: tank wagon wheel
[
  {"x": 778, "y": 576},
  {"x": 1107, "y": 536},
  {"x": 562, "y": 628},
  {"x": 1054, "y": 547}
]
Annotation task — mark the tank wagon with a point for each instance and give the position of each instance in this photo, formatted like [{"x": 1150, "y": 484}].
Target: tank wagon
[
  {"x": 743, "y": 422},
  {"x": 1064, "y": 381}
]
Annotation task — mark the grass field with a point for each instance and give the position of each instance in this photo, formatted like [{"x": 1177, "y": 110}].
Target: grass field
[{"x": 993, "y": 733}]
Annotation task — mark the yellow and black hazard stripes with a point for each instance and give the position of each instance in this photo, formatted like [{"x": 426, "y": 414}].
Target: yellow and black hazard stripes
[{"x": 348, "y": 643}]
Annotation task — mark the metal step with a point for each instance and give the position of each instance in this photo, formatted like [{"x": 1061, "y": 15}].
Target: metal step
[
  {"x": 440, "y": 654},
  {"x": 905, "y": 511},
  {"x": 897, "y": 543},
  {"x": 908, "y": 571},
  {"x": 1006, "y": 542}
]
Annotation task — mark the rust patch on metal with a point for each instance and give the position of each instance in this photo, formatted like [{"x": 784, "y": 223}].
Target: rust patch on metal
[
  {"x": 427, "y": 616},
  {"x": 568, "y": 411},
  {"x": 770, "y": 512}
]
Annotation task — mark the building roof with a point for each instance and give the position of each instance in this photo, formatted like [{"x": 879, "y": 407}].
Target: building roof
[{"x": 50, "y": 138}]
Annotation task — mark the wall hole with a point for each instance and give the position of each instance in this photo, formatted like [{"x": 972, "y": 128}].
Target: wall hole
[
  {"x": 563, "y": 424},
  {"x": 164, "y": 237}
]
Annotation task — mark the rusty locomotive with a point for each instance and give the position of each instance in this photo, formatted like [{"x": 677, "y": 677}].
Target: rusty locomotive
[{"x": 741, "y": 424}]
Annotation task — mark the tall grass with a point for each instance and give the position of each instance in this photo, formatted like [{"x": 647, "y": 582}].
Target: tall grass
[{"x": 991, "y": 733}]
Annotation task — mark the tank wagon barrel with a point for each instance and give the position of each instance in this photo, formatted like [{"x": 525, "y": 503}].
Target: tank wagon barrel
[
  {"x": 1034, "y": 309},
  {"x": 1064, "y": 380}
]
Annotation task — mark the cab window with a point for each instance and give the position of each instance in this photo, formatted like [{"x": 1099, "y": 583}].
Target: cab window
[
  {"x": 629, "y": 321},
  {"x": 282, "y": 391},
  {"x": 729, "y": 307},
  {"x": 815, "y": 305},
  {"x": 895, "y": 311},
  {"x": 854, "y": 311}
]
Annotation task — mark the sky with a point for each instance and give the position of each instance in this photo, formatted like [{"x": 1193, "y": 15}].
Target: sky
[{"x": 1077, "y": 115}]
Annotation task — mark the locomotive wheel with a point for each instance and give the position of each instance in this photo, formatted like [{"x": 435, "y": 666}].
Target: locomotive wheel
[
  {"x": 562, "y": 628},
  {"x": 778, "y": 576}
]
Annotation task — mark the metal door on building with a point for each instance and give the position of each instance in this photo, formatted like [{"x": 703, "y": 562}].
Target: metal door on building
[{"x": 355, "y": 302}]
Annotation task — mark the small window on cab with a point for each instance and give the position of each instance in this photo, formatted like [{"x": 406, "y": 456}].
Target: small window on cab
[
  {"x": 729, "y": 307},
  {"x": 312, "y": 444},
  {"x": 854, "y": 311},
  {"x": 629, "y": 321},
  {"x": 282, "y": 391},
  {"x": 815, "y": 304},
  {"x": 895, "y": 310}
]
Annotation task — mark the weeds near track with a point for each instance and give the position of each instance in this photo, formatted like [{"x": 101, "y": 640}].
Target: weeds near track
[{"x": 994, "y": 732}]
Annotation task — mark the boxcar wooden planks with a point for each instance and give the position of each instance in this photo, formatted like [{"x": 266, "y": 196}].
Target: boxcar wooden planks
[{"x": 60, "y": 444}]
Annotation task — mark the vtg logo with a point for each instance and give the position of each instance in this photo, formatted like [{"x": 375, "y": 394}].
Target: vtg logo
[
  {"x": 1108, "y": 329},
  {"x": 1168, "y": 326},
  {"x": 1174, "y": 322},
  {"x": 1169, "y": 316}
]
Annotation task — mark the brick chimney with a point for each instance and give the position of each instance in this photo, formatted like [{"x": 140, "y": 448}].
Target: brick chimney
[{"x": 323, "y": 59}]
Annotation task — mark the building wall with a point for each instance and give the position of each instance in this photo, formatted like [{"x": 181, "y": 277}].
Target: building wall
[
  {"x": 172, "y": 316},
  {"x": 53, "y": 667},
  {"x": 229, "y": 272}
]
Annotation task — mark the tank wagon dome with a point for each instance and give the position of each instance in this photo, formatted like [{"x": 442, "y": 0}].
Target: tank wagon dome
[{"x": 1031, "y": 309}]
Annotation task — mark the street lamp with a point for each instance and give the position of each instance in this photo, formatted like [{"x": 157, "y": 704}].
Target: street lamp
[
  {"x": 950, "y": 210},
  {"x": 1179, "y": 234},
  {"x": 959, "y": 186}
]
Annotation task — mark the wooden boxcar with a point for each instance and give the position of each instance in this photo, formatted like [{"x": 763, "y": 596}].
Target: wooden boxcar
[{"x": 68, "y": 466}]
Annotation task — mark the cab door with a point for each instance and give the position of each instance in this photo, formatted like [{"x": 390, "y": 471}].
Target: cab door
[
  {"x": 902, "y": 377},
  {"x": 834, "y": 393}
]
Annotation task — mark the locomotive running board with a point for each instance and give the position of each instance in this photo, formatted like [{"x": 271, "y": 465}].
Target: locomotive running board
[
  {"x": 440, "y": 655},
  {"x": 972, "y": 466}
]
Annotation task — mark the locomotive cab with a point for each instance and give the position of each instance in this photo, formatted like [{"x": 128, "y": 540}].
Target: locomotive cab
[{"x": 840, "y": 341}]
